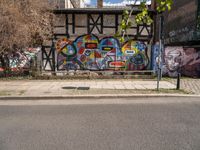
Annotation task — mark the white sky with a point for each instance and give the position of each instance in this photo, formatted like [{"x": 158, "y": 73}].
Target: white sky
[{"x": 123, "y": 3}]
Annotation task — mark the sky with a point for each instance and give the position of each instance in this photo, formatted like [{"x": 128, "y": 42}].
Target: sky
[
  {"x": 93, "y": 2},
  {"x": 110, "y": 2}
]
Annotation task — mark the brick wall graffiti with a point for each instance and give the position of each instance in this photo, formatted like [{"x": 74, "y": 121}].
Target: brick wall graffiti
[
  {"x": 89, "y": 53},
  {"x": 183, "y": 60}
]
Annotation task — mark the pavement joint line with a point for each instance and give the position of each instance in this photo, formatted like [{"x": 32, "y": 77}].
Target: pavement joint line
[{"x": 92, "y": 97}]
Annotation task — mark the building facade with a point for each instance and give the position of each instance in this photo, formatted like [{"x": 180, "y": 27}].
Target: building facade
[
  {"x": 182, "y": 39},
  {"x": 84, "y": 39},
  {"x": 68, "y": 4}
]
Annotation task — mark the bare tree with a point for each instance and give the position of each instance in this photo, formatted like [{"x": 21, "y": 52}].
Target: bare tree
[{"x": 23, "y": 23}]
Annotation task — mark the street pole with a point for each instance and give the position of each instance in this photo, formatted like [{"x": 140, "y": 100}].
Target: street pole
[{"x": 159, "y": 72}]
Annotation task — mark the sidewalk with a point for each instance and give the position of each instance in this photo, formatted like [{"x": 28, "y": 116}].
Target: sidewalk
[
  {"x": 36, "y": 88},
  {"x": 188, "y": 84}
]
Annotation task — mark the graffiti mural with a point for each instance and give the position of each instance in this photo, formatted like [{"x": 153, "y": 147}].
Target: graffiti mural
[
  {"x": 135, "y": 55},
  {"x": 111, "y": 56},
  {"x": 67, "y": 55},
  {"x": 155, "y": 57},
  {"x": 20, "y": 60},
  {"x": 182, "y": 60},
  {"x": 87, "y": 52}
]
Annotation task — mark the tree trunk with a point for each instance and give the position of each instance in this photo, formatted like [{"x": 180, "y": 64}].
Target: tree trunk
[
  {"x": 99, "y": 3},
  {"x": 4, "y": 63},
  {"x": 153, "y": 4}
]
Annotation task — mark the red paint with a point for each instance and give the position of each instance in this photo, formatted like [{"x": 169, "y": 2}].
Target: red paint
[
  {"x": 97, "y": 55},
  {"x": 117, "y": 64},
  {"x": 83, "y": 58},
  {"x": 1, "y": 69},
  {"x": 81, "y": 51}
]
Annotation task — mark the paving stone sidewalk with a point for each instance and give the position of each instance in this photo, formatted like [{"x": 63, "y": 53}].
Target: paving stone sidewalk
[
  {"x": 63, "y": 87},
  {"x": 191, "y": 85}
]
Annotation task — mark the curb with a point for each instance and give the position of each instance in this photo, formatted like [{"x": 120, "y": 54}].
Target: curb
[{"x": 91, "y": 97}]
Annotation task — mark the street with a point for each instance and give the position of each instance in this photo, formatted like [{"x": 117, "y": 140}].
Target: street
[{"x": 103, "y": 124}]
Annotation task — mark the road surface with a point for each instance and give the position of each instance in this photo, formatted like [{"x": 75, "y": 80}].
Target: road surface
[{"x": 119, "y": 124}]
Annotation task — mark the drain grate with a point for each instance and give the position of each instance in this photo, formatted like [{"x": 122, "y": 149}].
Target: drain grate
[
  {"x": 69, "y": 87},
  {"x": 83, "y": 88}
]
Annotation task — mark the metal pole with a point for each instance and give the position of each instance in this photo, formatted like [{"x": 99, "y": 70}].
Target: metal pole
[
  {"x": 178, "y": 81},
  {"x": 158, "y": 72},
  {"x": 160, "y": 51}
]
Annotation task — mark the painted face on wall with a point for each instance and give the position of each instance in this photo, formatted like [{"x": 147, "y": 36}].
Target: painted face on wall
[
  {"x": 173, "y": 60},
  {"x": 184, "y": 60}
]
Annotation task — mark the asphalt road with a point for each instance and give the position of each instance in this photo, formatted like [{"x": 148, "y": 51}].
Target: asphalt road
[{"x": 159, "y": 124}]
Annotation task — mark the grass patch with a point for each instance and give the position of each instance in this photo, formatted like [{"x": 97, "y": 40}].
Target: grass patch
[
  {"x": 172, "y": 91},
  {"x": 114, "y": 91},
  {"x": 5, "y": 93},
  {"x": 22, "y": 92}
]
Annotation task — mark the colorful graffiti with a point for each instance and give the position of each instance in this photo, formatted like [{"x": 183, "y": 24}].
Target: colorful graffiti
[
  {"x": 111, "y": 56},
  {"x": 181, "y": 60},
  {"x": 18, "y": 61},
  {"x": 21, "y": 60},
  {"x": 135, "y": 56},
  {"x": 155, "y": 57},
  {"x": 87, "y": 52},
  {"x": 67, "y": 55}
]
